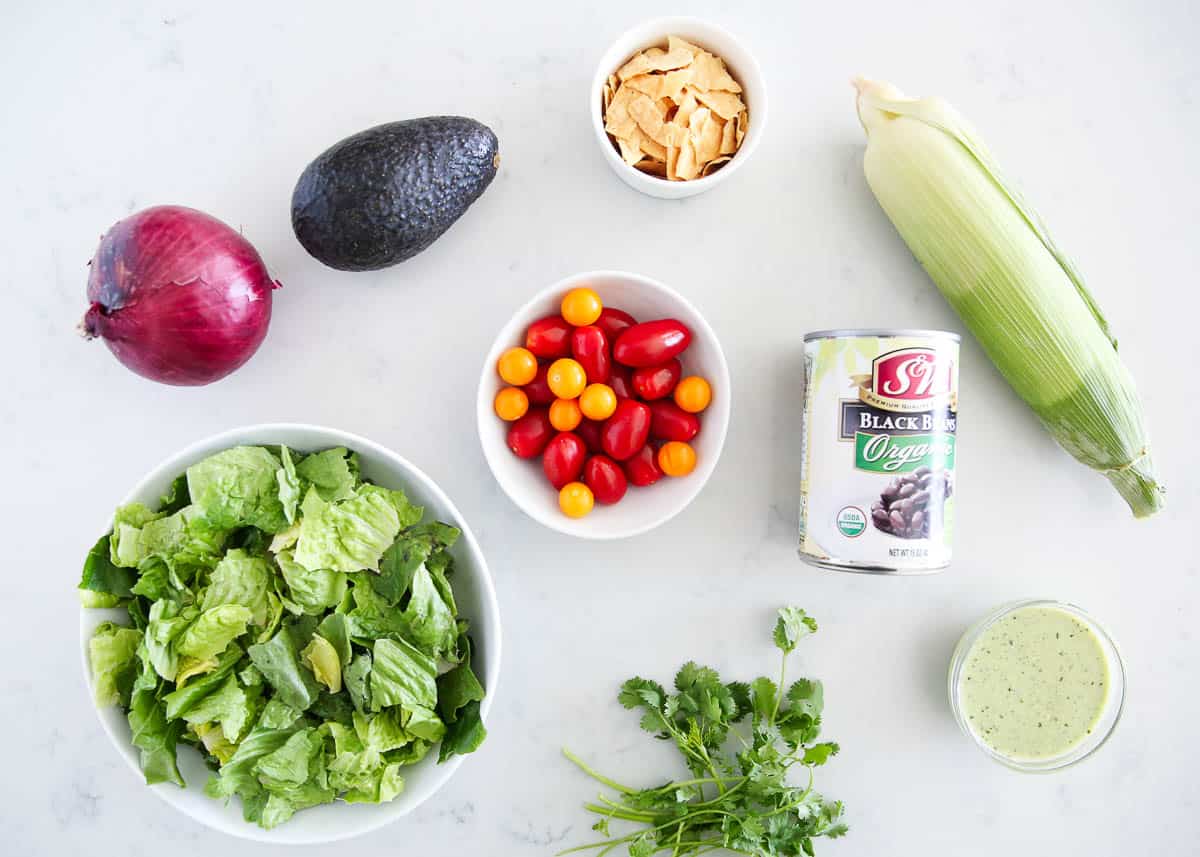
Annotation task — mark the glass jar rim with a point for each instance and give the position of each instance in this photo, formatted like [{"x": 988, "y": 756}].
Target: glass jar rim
[{"x": 1114, "y": 705}]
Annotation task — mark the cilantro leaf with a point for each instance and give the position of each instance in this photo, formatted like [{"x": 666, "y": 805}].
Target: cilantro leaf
[
  {"x": 739, "y": 795},
  {"x": 793, "y": 623}
]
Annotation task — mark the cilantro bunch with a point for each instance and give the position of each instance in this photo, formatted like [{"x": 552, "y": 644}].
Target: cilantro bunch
[{"x": 741, "y": 743}]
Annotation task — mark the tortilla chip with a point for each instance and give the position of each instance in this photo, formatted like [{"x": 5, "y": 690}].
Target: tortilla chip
[
  {"x": 708, "y": 73},
  {"x": 655, "y": 59},
  {"x": 617, "y": 120},
  {"x": 728, "y": 143},
  {"x": 660, "y": 86},
  {"x": 708, "y": 143},
  {"x": 652, "y": 167},
  {"x": 686, "y": 167},
  {"x": 724, "y": 104},
  {"x": 653, "y": 149},
  {"x": 711, "y": 166},
  {"x": 649, "y": 118},
  {"x": 686, "y": 107},
  {"x": 631, "y": 151},
  {"x": 674, "y": 43}
]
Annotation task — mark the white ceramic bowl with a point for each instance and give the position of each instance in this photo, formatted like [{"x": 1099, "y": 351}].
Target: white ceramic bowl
[
  {"x": 472, "y": 589},
  {"x": 641, "y": 509},
  {"x": 741, "y": 65}
]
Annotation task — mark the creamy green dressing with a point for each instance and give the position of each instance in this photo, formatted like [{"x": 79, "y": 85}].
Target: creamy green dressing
[{"x": 1035, "y": 683}]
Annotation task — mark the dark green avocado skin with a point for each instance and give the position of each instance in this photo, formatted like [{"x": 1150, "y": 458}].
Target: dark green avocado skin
[{"x": 387, "y": 193}]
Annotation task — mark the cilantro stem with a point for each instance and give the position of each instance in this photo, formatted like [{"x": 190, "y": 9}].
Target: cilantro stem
[
  {"x": 780, "y": 691},
  {"x": 583, "y": 766}
]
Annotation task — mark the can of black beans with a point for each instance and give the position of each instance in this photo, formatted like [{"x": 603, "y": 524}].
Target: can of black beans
[{"x": 878, "y": 438}]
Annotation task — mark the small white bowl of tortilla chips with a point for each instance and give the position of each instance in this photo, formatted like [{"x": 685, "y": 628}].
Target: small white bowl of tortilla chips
[{"x": 678, "y": 105}]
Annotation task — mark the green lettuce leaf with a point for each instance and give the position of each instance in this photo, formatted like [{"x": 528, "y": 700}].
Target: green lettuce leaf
[
  {"x": 181, "y": 700},
  {"x": 380, "y": 785},
  {"x": 185, "y": 541},
  {"x": 430, "y": 620},
  {"x": 356, "y": 677},
  {"x": 336, "y": 629},
  {"x": 312, "y": 591},
  {"x": 167, "y": 620},
  {"x": 424, "y": 724},
  {"x": 153, "y": 733},
  {"x": 213, "y": 630},
  {"x": 128, "y": 520},
  {"x": 349, "y": 535},
  {"x": 289, "y": 485},
  {"x": 398, "y": 565},
  {"x": 229, "y": 706},
  {"x": 97, "y": 600},
  {"x": 381, "y": 732},
  {"x": 279, "y": 662},
  {"x": 402, "y": 675},
  {"x": 322, "y": 658},
  {"x": 238, "y": 487},
  {"x": 240, "y": 578},
  {"x": 330, "y": 474},
  {"x": 372, "y": 616},
  {"x": 464, "y": 735},
  {"x": 101, "y": 575},
  {"x": 177, "y": 496},
  {"x": 455, "y": 689},
  {"x": 154, "y": 580},
  {"x": 112, "y": 653}
]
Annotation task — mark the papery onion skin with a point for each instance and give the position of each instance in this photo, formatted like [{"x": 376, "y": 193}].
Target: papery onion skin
[{"x": 178, "y": 296}]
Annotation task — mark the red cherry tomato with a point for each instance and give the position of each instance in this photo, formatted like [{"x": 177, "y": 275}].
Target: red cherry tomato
[
  {"x": 549, "y": 337},
  {"x": 651, "y": 343},
  {"x": 606, "y": 479},
  {"x": 528, "y": 436},
  {"x": 668, "y": 421},
  {"x": 620, "y": 378},
  {"x": 657, "y": 382},
  {"x": 642, "y": 469},
  {"x": 538, "y": 390},
  {"x": 589, "y": 433},
  {"x": 613, "y": 321},
  {"x": 562, "y": 462},
  {"x": 589, "y": 345},
  {"x": 625, "y": 432}
]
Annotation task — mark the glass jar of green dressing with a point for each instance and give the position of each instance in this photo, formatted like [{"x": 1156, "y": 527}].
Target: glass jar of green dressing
[{"x": 1038, "y": 685}]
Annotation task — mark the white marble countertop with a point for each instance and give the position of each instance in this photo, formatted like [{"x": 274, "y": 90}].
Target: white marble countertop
[{"x": 112, "y": 107}]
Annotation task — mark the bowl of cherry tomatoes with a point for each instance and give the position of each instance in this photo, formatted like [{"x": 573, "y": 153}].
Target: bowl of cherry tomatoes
[{"x": 603, "y": 405}]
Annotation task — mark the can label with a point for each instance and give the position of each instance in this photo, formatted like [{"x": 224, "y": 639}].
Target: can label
[{"x": 877, "y": 474}]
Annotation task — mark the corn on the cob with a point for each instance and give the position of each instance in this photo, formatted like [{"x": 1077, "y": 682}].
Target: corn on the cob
[{"x": 994, "y": 261}]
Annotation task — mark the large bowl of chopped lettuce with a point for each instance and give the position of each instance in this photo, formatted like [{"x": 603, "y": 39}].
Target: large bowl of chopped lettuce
[{"x": 290, "y": 633}]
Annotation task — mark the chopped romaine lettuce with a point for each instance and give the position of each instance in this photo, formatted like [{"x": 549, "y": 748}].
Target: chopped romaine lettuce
[{"x": 329, "y": 700}]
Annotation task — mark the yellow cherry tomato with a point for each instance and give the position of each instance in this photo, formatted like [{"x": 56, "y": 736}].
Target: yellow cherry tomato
[
  {"x": 566, "y": 378},
  {"x": 598, "y": 401},
  {"x": 565, "y": 414},
  {"x": 581, "y": 306},
  {"x": 693, "y": 394},
  {"x": 511, "y": 404},
  {"x": 517, "y": 366},
  {"x": 676, "y": 458},
  {"x": 575, "y": 499}
]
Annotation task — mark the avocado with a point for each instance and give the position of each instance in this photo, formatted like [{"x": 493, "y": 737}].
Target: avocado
[{"x": 385, "y": 194}]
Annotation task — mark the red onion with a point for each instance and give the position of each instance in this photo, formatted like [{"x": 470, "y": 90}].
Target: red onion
[{"x": 178, "y": 296}]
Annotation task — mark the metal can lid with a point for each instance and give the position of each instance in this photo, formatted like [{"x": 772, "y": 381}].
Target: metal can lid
[{"x": 881, "y": 332}]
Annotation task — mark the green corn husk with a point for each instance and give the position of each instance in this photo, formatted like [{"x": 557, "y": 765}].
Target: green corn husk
[{"x": 994, "y": 261}]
